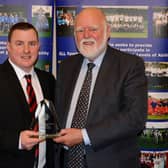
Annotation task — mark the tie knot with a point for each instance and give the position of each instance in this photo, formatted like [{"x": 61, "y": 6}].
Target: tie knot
[
  {"x": 90, "y": 66},
  {"x": 28, "y": 78}
]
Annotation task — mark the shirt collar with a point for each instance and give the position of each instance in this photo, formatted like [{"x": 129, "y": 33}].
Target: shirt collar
[
  {"x": 97, "y": 61},
  {"x": 19, "y": 72}
]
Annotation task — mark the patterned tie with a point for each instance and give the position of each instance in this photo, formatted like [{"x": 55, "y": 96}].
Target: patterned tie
[
  {"x": 76, "y": 153},
  {"x": 32, "y": 107}
]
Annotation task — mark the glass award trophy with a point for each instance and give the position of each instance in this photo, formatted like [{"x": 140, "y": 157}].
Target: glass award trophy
[{"x": 46, "y": 119}]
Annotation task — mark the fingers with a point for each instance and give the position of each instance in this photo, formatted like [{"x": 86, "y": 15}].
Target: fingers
[
  {"x": 29, "y": 139},
  {"x": 69, "y": 137}
]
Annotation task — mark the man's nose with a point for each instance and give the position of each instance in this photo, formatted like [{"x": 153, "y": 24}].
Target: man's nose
[
  {"x": 26, "y": 48},
  {"x": 86, "y": 33}
]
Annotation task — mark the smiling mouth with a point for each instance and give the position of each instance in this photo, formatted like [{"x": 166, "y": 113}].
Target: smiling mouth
[
  {"x": 88, "y": 43},
  {"x": 26, "y": 57}
]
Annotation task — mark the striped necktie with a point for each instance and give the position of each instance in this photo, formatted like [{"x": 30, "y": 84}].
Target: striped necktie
[
  {"x": 32, "y": 107},
  {"x": 31, "y": 95}
]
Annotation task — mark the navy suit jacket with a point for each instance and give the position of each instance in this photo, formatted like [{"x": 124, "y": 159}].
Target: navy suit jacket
[
  {"x": 117, "y": 111},
  {"x": 15, "y": 117}
]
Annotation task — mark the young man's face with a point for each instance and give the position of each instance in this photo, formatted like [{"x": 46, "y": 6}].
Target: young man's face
[{"x": 23, "y": 48}]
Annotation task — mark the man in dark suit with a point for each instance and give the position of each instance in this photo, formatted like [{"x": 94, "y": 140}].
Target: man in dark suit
[
  {"x": 117, "y": 107},
  {"x": 17, "y": 144}
]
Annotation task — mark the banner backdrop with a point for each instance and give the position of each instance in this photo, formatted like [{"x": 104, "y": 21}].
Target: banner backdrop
[
  {"x": 40, "y": 14},
  {"x": 141, "y": 28}
]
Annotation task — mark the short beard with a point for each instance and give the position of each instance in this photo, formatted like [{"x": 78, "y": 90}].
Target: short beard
[{"x": 94, "y": 52}]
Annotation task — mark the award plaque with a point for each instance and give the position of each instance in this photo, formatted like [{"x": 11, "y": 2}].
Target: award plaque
[{"x": 46, "y": 119}]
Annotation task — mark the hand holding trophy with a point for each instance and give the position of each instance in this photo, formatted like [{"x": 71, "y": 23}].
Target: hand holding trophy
[{"x": 46, "y": 119}]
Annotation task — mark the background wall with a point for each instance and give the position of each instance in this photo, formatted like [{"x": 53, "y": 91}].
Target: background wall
[
  {"x": 137, "y": 27},
  {"x": 41, "y": 14}
]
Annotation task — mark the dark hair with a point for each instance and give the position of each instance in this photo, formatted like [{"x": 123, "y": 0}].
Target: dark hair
[{"x": 21, "y": 26}]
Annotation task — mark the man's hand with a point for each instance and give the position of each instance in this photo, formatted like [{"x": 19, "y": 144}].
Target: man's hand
[
  {"x": 29, "y": 139},
  {"x": 69, "y": 137}
]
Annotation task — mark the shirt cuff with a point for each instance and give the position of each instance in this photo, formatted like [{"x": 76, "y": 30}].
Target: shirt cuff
[
  {"x": 85, "y": 137},
  {"x": 20, "y": 144}
]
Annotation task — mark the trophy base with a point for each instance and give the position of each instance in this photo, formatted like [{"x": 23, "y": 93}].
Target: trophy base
[
  {"x": 49, "y": 136},
  {"x": 46, "y": 136}
]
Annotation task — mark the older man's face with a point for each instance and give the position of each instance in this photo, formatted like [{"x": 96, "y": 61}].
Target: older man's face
[{"x": 91, "y": 34}]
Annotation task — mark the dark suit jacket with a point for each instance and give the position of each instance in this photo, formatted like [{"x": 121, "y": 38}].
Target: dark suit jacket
[
  {"x": 118, "y": 107},
  {"x": 15, "y": 117}
]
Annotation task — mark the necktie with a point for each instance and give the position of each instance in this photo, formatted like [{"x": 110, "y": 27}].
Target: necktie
[
  {"x": 32, "y": 107},
  {"x": 31, "y": 95},
  {"x": 76, "y": 153}
]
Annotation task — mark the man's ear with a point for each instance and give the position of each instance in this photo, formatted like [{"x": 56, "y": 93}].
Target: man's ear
[
  {"x": 8, "y": 45},
  {"x": 108, "y": 30},
  {"x": 38, "y": 46}
]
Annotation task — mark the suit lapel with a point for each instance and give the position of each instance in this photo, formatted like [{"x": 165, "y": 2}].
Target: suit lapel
[
  {"x": 17, "y": 93},
  {"x": 103, "y": 82},
  {"x": 73, "y": 69}
]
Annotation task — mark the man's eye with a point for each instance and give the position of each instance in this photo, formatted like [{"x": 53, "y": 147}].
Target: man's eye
[
  {"x": 19, "y": 43},
  {"x": 93, "y": 29},
  {"x": 33, "y": 43},
  {"x": 80, "y": 31}
]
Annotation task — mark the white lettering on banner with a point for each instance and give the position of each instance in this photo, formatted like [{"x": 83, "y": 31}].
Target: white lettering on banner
[{"x": 44, "y": 53}]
